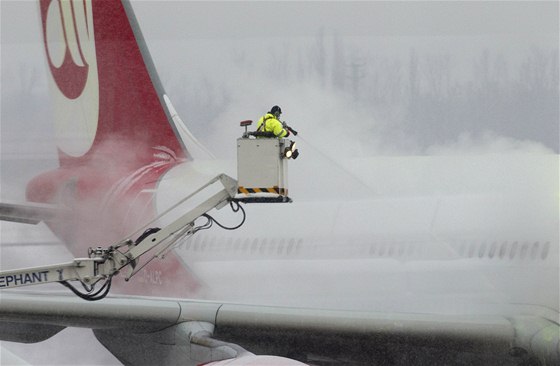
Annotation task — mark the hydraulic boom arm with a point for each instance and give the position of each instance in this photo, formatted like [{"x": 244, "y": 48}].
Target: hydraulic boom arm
[{"x": 102, "y": 264}]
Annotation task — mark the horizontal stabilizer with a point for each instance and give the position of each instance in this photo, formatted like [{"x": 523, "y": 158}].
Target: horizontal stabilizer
[{"x": 31, "y": 213}]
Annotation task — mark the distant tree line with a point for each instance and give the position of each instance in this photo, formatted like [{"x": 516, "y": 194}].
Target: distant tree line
[
  {"x": 422, "y": 94},
  {"x": 430, "y": 95}
]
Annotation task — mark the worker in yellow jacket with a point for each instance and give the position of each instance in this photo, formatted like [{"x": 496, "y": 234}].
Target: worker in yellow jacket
[{"x": 270, "y": 123}]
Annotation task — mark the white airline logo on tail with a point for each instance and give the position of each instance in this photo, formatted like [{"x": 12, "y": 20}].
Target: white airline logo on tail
[{"x": 70, "y": 46}]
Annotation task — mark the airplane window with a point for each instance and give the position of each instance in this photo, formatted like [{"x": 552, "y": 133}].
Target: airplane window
[
  {"x": 401, "y": 249},
  {"x": 211, "y": 242},
  {"x": 493, "y": 248},
  {"x": 208, "y": 244},
  {"x": 544, "y": 253},
  {"x": 188, "y": 243},
  {"x": 237, "y": 244},
  {"x": 503, "y": 249},
  {"x": 219, "y": 242},
  {"x": 273, "y": 243},
  {"x": 472, "y": 248},
  {"x": 193, "y": 245},
  {"x": 201, "y": 246},
  {"x": 246, "y": 246},
  {"x": 482, "y": 250},
  {"x": 535, "y": 250},
  {"x": 513, "y": 251},
  {"x": 270, "y": 247},
  {"x": 202, "y": 241},
  {"x": 262, "y": 248},
  {"x": 462, "y": 249},
  {"x": 281, "y": 246},
  {"x": 410, "y": 249},
  {"x": 299, "y": 245},
  {"x": 524, "y": 250},
  {"x": 282, "y": 243},
  {"x": 227, "y": 244},
  {"x": 291, "y": 244}
]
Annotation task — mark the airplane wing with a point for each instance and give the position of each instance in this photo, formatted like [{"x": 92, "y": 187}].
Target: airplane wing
[{"x": 187, "y": 332}]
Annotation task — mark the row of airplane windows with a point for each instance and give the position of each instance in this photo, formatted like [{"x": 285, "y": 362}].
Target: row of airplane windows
[
  {"x": 255, "y": 246},
  {"x": 292, "y": 247},
  {"x": 506, "y": 250}
]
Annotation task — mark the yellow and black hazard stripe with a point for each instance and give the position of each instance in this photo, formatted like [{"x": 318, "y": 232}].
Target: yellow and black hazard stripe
[{"x": 273, "y": 190}]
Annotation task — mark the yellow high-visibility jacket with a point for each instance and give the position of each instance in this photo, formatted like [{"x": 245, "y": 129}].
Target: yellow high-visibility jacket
[{"x": 271, "y": 124}]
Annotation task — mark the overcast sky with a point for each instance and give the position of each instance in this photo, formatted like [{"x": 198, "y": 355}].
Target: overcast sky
[
  {"x": 364, "y": 18},
  {"x": 224, "y": 19}
]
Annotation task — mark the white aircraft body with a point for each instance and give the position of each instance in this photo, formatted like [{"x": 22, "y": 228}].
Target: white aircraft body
[{"x": 403, "y": 260}]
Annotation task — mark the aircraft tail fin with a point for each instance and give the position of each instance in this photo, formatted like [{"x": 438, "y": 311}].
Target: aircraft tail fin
[
  {"x": 109, "y": 101},
  {"x": 115, "y": 132}
]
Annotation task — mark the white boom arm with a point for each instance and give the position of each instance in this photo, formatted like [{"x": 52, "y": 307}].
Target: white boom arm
[{"x": 102, "y": 264}]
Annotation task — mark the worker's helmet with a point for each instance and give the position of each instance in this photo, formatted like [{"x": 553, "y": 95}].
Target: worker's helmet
[{"x": 277, "y": 111}]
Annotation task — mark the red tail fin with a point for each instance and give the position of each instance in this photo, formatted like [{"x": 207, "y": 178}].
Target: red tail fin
[
  {"x": 115, "y": 135},
  {"x": 108, "y": 97}
]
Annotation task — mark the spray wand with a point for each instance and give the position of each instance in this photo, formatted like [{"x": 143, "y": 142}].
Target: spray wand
[
  {"x": 292, "y": 130},
  {"x": 285, "y": 125}
]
